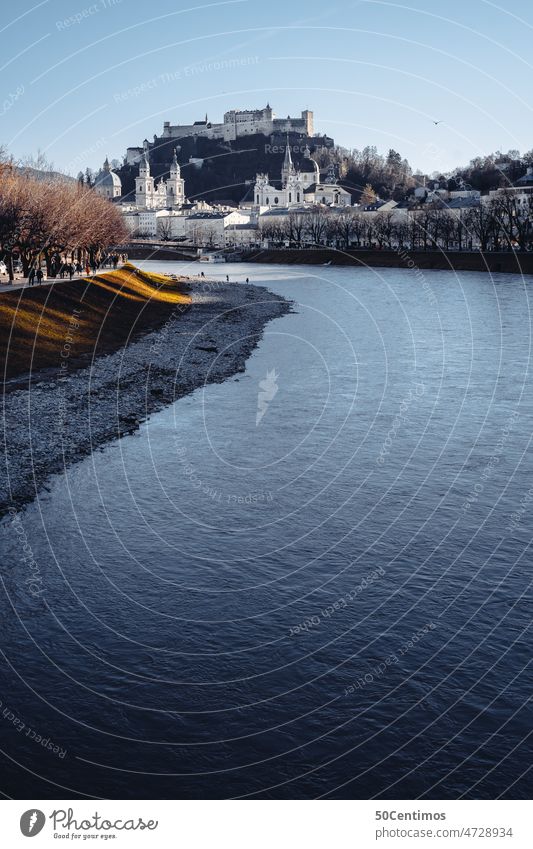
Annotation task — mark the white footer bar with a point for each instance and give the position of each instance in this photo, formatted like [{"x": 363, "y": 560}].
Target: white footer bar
[{"x": 266, "y": 824}]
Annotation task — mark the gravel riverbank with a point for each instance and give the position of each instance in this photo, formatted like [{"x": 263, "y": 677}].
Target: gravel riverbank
[{"x": 68, "y": 411}]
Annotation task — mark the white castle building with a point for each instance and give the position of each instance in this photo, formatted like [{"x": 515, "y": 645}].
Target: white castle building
[
  {"x": 236, "y": 123},
  {"x": 299, "y": 187}
]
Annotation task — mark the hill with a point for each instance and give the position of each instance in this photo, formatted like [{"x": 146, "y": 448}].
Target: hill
[{"x": 223, "y": 170}]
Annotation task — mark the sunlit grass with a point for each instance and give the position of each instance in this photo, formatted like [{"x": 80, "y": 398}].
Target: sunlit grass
[{"x": 96, "y": 314}]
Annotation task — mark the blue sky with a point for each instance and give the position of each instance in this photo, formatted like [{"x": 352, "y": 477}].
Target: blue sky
[{"x": 82, "y": 80}]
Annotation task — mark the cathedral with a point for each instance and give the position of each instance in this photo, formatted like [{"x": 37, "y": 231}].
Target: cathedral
[
  {"x": 299, "y": 187},
  {"x": 167, "y": 193}
]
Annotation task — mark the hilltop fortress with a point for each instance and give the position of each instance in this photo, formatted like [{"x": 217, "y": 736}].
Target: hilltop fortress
[
  {"x": 237, "y": 124},
  {"x": 221, "y": 161},
  {"x": 244, "y": 122}
]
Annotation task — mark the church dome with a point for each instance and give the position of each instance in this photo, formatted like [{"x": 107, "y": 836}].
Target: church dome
[{"x": 107, "y": 178}]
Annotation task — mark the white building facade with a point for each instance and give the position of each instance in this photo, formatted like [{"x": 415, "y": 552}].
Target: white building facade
[
  {"x": 302, "y": 186},
  {"x": 170, "y": 192}
]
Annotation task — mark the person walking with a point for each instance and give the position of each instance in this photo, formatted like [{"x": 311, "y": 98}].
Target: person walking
[
  {"x": 39, "y": 275},
  {"x": 31, "y": 276},
  {"x": 70, "y": 270}
]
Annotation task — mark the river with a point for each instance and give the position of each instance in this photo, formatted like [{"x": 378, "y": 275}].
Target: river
[{"x": 309, "y": 580}]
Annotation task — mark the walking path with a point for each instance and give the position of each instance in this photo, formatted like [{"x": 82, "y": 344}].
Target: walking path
[{"x": 22, "y": 283}]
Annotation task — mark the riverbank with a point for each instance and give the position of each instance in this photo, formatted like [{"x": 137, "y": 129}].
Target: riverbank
[
  {"x": 77, "y": 398},
  {"x": 105, "y": 311},
  {"x": 507, "y": 262}
]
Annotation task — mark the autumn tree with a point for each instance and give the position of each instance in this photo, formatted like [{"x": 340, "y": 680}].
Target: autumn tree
[
  {"x": 45, "y": 216},
  {"x": 368, "y": 195}
]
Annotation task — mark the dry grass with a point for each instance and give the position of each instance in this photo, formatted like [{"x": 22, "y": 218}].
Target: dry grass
[{"x": 36, "y": 324}]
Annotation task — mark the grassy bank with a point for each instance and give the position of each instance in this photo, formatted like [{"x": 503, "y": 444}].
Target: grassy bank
[
  {"x": 508, "y": 262},
  {"x": 42, "y": 326}
]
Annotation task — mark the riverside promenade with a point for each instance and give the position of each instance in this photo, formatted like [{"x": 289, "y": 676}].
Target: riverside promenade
[{"x": 21, "y": 282}]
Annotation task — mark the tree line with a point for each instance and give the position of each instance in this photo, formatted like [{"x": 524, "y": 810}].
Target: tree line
[
  {"x": 43, "y": 218},
  {"x": 502, "y": 223},
  {"x": 391, "y": 177}
]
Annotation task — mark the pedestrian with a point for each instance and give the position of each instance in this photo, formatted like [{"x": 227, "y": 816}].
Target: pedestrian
[
  {"x": 79, "y": 269},
  {"x": 87, "y": 269},
  {"x": 39, "y": 275},
  {"x": 247, "y": 279},
  {"x": 70, "y": 269},
  {"x": 227, "y": 278},
  {"x": 31, "y": 276}
]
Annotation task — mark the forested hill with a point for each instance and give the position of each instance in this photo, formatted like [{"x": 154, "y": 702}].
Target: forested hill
[{"x": 224, "y": 170}]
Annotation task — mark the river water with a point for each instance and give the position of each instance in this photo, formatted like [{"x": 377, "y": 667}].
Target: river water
[{"x": 310, "y": 580}]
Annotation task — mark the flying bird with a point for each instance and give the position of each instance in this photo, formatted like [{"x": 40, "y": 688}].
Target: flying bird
[{"x": 437, "y": 122}]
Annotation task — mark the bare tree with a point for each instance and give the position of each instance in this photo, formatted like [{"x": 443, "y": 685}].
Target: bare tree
[
  {"x": 164, "y": 228},
  {"x": 384, "y": 228},
  {"x": 317, "y": 224},
  {"x": 402, "y": 232},
  {"x": 46, "y": 217},
  {"x": 507, "y": 211},
  {"x": 448, "y": 229},
  {"x": 349, "y": 226},
  {"x": 296, "y": 226},
  {"x": 480, "y": 224}
]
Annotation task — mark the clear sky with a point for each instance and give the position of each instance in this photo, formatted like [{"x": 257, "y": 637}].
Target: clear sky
[{"x": 82, "y": 80}]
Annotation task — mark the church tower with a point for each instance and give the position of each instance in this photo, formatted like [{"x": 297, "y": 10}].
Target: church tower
[
  {"x": 144, "y": 185},
  {"x": 287, "y": 169},
  {"x": 175, "y": 185}
]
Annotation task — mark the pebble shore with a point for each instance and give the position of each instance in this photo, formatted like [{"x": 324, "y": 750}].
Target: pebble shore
[{"x": 65, "y": 413}]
